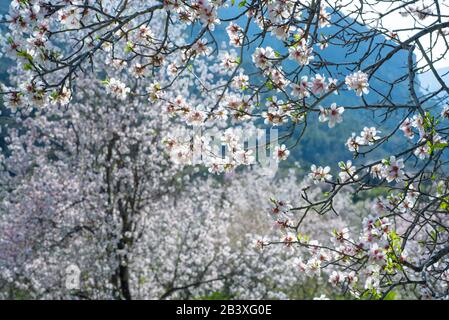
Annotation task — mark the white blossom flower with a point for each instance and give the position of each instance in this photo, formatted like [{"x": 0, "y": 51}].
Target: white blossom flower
[
  {"x": 70, "y": 16},
  {"x": 138, "y": 70},
  {"x": 200, "y": 48},
  {"x": 228, "y": 61},
  {"x": 318, "y": 84},
  {"x": 418, "y": 123},
  {"x": 274, "y": 116},
  {"x": 377, "y": 254},
  {"x": 353, "y": 143},
  {"x": 340, "y": 236},
  {"x": 351, "y": 278},
  {"x": 372, "y": 282},
  {"x": 332, "y": 85},
  {"x": 359, "y": 82},
  {"x": 333, "y": 115},
  {"x": 406, "y": 204},
  {"x": 406, "y": 127},
  {"x": 154, "y": 92},
  {"x": 301, "y": 53},
  {"x": 313, "y": 267},
  {"x": 13, "y": 101},
  {"x": 263, "y": 57},
  {"x": 301, "y": 90},
  {"x": 323, "y": 18},
  {"x": 422, "y": 151},
  {"x": 281, "y": 32},
  {"x": 117, "y": 88},
  {"x": 145, "y": 33},
  {"x": 244, "y": 157},
  {"x": 445, "y": 112},
  {"x": 63, "y": 97},
  {"x": 336, "y": 278},
  {"x": 347, "y": 171},
  {"x": 369, "y": 136},
  {"x": 240, "y": 81},
  {"x": 376, "y": 171},
  {"x": 235, "y": 33},
  {"x": 195, "y": 117}
]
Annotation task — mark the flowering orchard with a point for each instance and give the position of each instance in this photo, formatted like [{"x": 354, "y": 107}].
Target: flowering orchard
[{"x": 106, "y": 103}]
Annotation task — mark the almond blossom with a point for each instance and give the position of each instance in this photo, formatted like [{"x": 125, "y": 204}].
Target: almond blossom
[
  {"x": 358, "y": 82},
  {"x": 392, "y": 169},
  {"x": 262, "y": 57},
  {"x": 320, "y": 174},
  {"x": 301, "y": 53},
  {"x": 281, "y": 153},
  {"x": 333, "y": 115},
  {"x": 347, "y": 171}
]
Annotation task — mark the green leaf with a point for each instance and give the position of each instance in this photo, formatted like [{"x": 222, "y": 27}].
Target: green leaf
[
  {"x": 54, "y": 95},
  {"x": 445, "y": 204},
  {"x": 241, "y": 4},
  {"x": 129, "y": 47},
  {"x": 25, "y": 55},
  {"x": 433, "y": 235},
  {"x": 440, "y": 145},
  {"x": 27, "y": 66},
  {"x": 391, "y": 296},
  {"x": 269, "y": 85}
]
